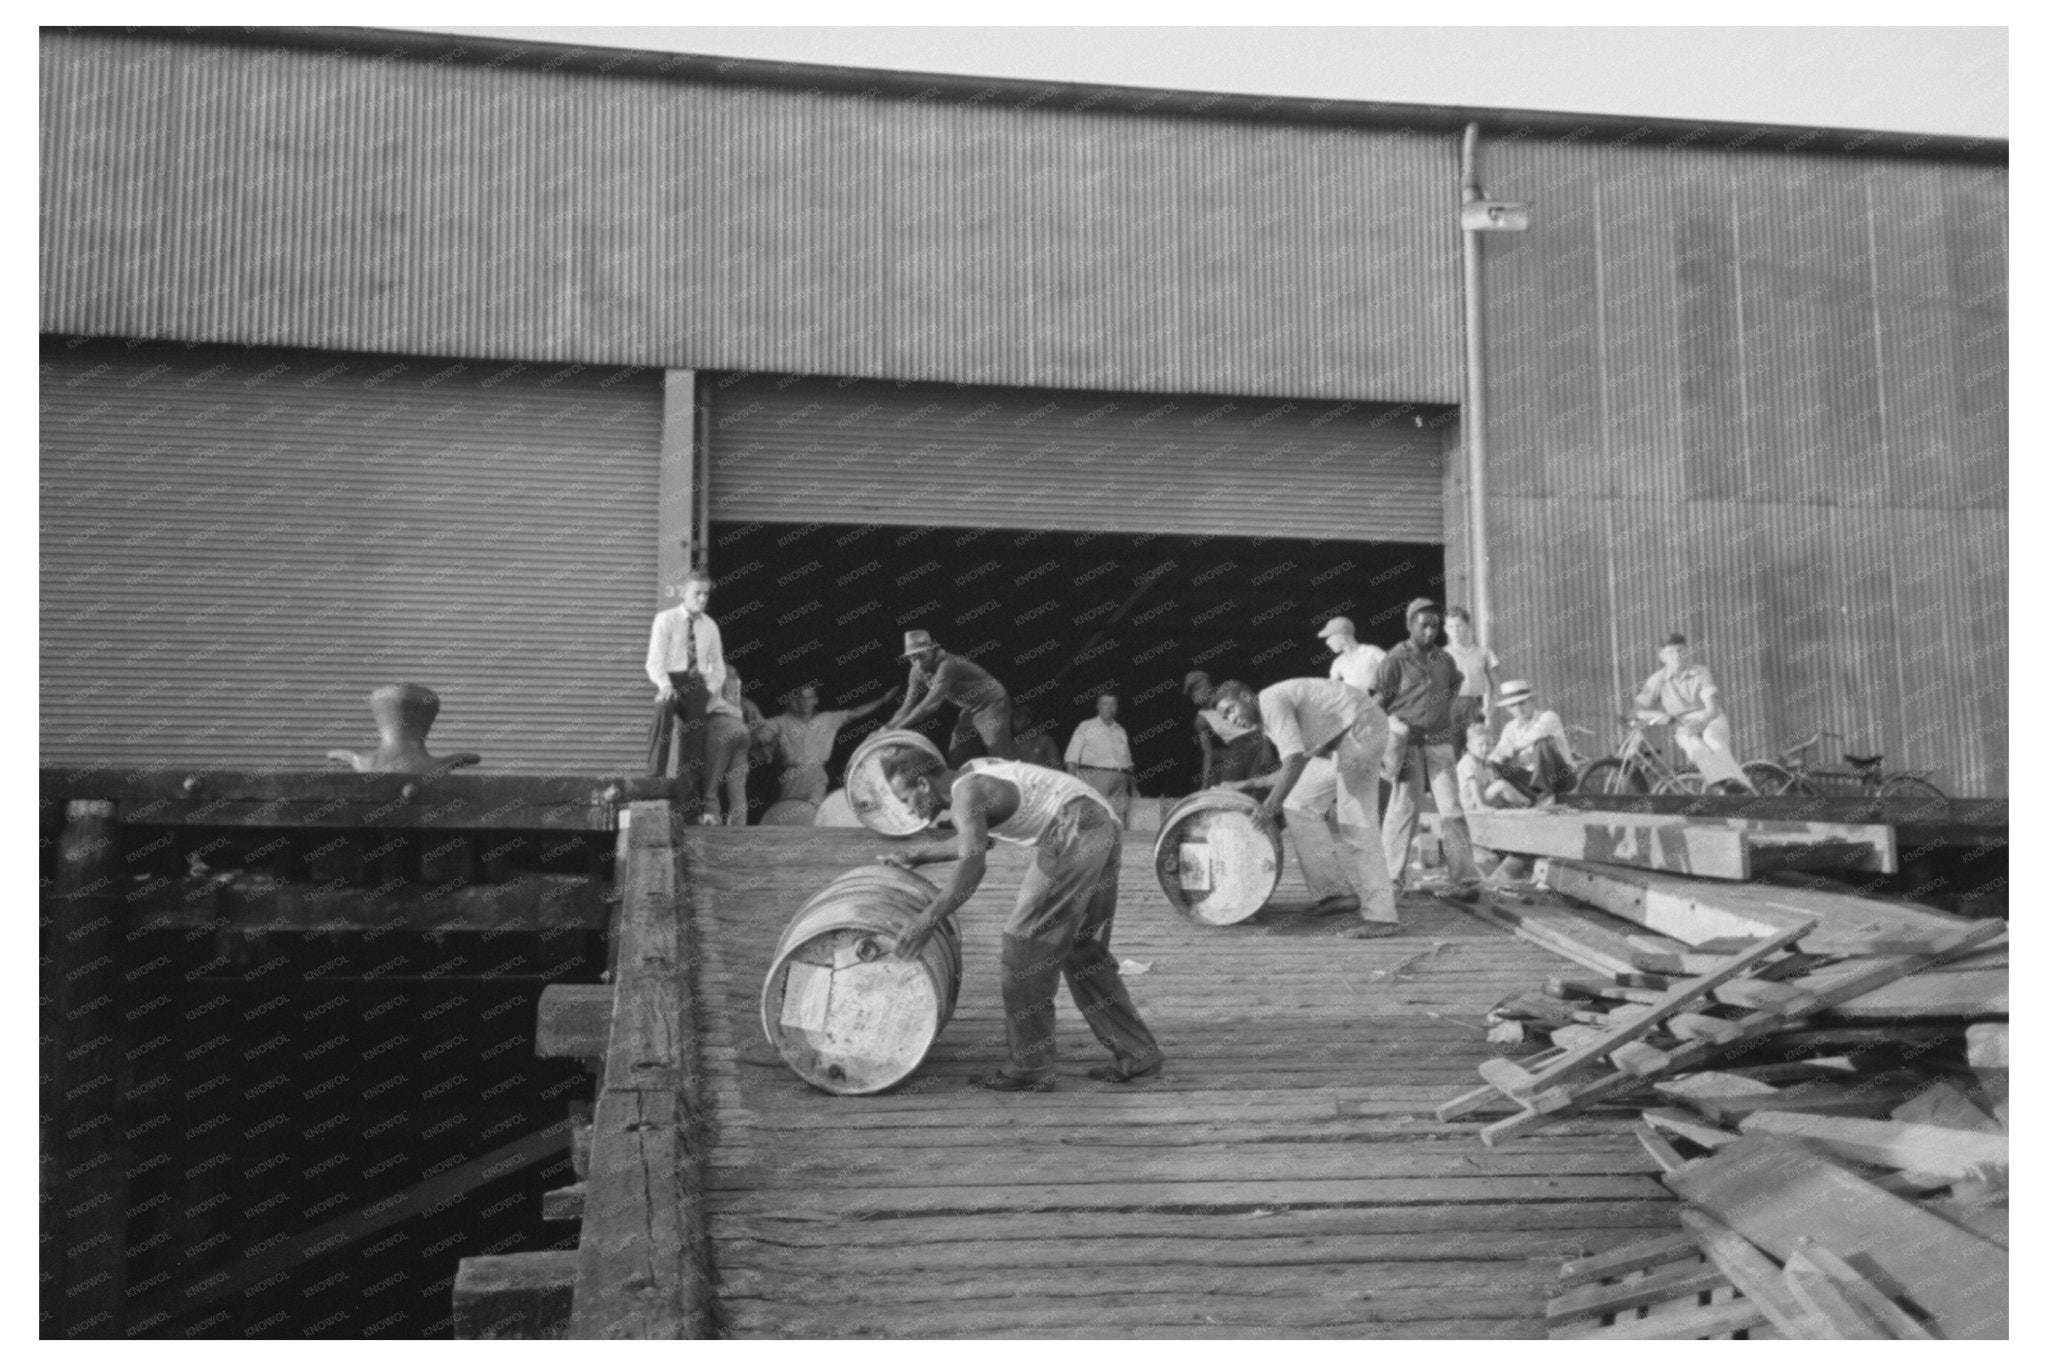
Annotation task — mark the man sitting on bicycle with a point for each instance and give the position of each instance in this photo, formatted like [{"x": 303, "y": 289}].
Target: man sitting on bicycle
[{"x": 1684, "y": 694}]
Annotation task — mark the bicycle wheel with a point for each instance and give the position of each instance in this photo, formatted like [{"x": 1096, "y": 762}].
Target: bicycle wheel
[
  {"x": 1680, "y": 785},
  {"x": 1906, "y": 788},
  {"x": 1612, "y": 778},
  {"x": 1774, "y": 780}
]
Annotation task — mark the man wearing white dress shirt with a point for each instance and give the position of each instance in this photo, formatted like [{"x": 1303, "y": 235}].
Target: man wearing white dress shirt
[
  {"x": 1099, "y": 754},
  {"x": 686, "y": 665}
]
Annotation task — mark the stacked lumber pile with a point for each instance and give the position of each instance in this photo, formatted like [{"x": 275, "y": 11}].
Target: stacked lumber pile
[{"x": 1821, "y": 1076}]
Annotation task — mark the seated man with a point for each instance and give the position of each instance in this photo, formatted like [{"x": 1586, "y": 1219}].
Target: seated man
[
  {"x": 1684, "y": 694},
  {"x": 1065, "y": 908},
  {"x": 1533, "y": 761}
]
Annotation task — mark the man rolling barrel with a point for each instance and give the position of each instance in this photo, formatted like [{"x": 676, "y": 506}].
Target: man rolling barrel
[
  {"x": 937, "y": 677},
  {"x": 1332, "y": 740},
  {"x": 1064, "y": 912}
]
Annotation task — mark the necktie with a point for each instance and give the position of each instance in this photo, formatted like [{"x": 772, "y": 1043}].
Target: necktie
[{"x": 689, "y": 642}]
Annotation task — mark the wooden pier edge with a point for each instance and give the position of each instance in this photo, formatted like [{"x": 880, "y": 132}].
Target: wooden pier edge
[{"x": 642, "y": 1268}]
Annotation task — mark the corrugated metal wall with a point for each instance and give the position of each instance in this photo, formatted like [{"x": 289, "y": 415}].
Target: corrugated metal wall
[
  {"x": 794, "y": 449},
  {"x": 1761, "y": 400},
  {"x": 237, "y": 546},
  {"x": 345, "y": 201}
]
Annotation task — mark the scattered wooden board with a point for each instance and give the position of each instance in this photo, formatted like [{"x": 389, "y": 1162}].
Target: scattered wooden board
[
  {"x": 1777, "y": 1191},
  {"x": 1954, "y": 1153}
]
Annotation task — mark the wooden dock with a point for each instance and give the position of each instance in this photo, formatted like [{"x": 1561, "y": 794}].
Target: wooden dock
[{"x": 1286, "y": 1177}]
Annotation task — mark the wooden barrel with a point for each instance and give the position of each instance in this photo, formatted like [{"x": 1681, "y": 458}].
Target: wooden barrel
[
  {"x": 1213, "y": 861},
  {"x": 844, "y": 1012},
  {"x": 789, "y": 813},
  {"x": 836, "y": 810},
  {"x": 868, "y": 791}
]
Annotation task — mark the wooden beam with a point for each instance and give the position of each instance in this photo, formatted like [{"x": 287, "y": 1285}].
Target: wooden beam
[
  {"x": 524, "y": 1296},
  {"x": 1886, "y": 1312},
  {"x": 1990, "y": 1053},
  {"x": 575, "y": 1021},
  {"x": 1697, "y": 912},
  {"x": 1749, "y": 1271},
  {"x": 1927, "y": 1148},
  {"x": 642, "y": 1270},
  {"x": 1671, "y": 1002},
  {"x": 1671, "y": 844},
  {"x": 1630, "y": 1256},
  {"x": 1775, "y": 1192},
  {"x": 1991, "y": 814},
  {"x": 1674, "y": 1281},
  {"x": 1828, "y": 1303},
  {"x": 1870, "y": 974}
]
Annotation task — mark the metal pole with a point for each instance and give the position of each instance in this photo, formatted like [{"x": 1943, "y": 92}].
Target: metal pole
[{"x": 1475, "y": 404}]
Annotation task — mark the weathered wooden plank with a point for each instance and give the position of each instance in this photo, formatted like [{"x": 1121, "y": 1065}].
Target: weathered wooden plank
[
  {"x": 1575, "y": 1060},
  {"x": 1892, "y": 1321},
  {"x": 1871, "y": 973},
  {"x": 1776, "y": 1192},
  {"x": 1698, "y": 912},
  {"x": 641, "y": 1272},
  {"x": 1679, "y": 1278},
  {"x": 1109, "y": 1315},
  {"x": 1698, "y": 1322},
  {"x": 521, "y": 1296},
  {"x": 1990, "y": 1054},
  {"x": 1669, "y": 843},
  {"x": 1943, "y": 1103},
  {"x": 575, "y": 1021},
  {"x": 1923, "y": 1148},
  {"x": 1171, "y": 1195},
  {"x": 1748, "y": 1270},
  {"x": 1962, "y": 995},
  {"x": 1983, "y": 813},
  {"x": 1829, "y": 1304}
]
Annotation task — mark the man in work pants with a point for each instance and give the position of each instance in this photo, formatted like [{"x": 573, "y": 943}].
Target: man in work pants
[
  {"x": 1065, "y": 908},
  {"x": 1331, "y": 738},
  {"x": 1419, "y": 682}
]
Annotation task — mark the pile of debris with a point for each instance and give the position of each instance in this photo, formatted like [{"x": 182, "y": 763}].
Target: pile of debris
[{"x": 1821, "y": 1076}]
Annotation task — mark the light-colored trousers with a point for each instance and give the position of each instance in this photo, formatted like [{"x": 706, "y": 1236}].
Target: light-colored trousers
[
  {"x": 1333, "y": 814},
  {"x": 1439, "y": 764},
  {"x": 1711, "y": 751},
  {"x": 1113, "y": 783}
]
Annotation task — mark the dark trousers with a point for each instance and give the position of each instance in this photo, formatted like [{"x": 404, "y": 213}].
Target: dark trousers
[
  {"x": 990, "y": 724},
  {"x": 1060, "y": 928},
  {"x": 675, "y": 737},
  {"x": 1466, "y": 712},
  {"x": 1540, "y": 771}
]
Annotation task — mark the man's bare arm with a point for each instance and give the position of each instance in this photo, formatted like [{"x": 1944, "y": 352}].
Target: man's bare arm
[{"x": 970, "y": 820}]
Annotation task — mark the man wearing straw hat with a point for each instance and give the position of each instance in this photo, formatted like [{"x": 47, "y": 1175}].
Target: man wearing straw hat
[
  {"x": 937, "y": 677},
  {"x": 1065, "y": 907},
  {"x": 1532, "y": 761}
]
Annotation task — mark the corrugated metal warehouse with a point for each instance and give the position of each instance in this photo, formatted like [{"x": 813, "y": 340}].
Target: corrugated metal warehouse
[{"x": 372, "y": 356}]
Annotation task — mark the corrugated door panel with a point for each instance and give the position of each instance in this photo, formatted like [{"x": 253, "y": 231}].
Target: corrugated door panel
[
  {"x": 237, "y": 545},
  {"x": 805, "y": 449}
]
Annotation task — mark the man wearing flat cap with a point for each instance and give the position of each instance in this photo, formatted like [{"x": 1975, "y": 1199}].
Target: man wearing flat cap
[
  {"x": 1684, "y": 694},
  {"x": 937, "y": 677},
  {"x": 1356, "y": 664},
  {"x": 1417, "y": 683}
]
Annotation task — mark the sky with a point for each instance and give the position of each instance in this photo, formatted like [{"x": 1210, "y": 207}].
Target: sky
[{"x": 1917, "y": 80}]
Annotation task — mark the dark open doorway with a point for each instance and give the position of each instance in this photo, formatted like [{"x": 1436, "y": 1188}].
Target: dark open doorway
[{"x": 1059, "y": 617}]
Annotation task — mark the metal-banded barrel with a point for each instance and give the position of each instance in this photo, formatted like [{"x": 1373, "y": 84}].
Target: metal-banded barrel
[
  {"x": 790, "y": 812},
  {"x": 845, "y": 1013},
  {"x": 867, "y": 788},
  {"x": 1214, "y": 862}
]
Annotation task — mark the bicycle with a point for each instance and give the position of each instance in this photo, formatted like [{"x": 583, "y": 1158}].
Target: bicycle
[
  {"x": 1796, "y": 775},
  {"x": 1639, "y": 766}
]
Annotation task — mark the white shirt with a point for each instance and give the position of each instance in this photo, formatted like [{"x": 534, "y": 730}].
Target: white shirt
[
  {"x": 1097, "y": 743},
  {"x": 1357, "y": 665},
  {"x": 1518, "y": 736},
  {"x": 1302, "y": 715},
  {"x": 1042, "y": 793},
  {"x": 665, "y": 648}
]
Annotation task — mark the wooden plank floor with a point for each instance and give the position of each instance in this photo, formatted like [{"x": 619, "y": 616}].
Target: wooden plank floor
[{"x": 1285, "y": 1178}]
